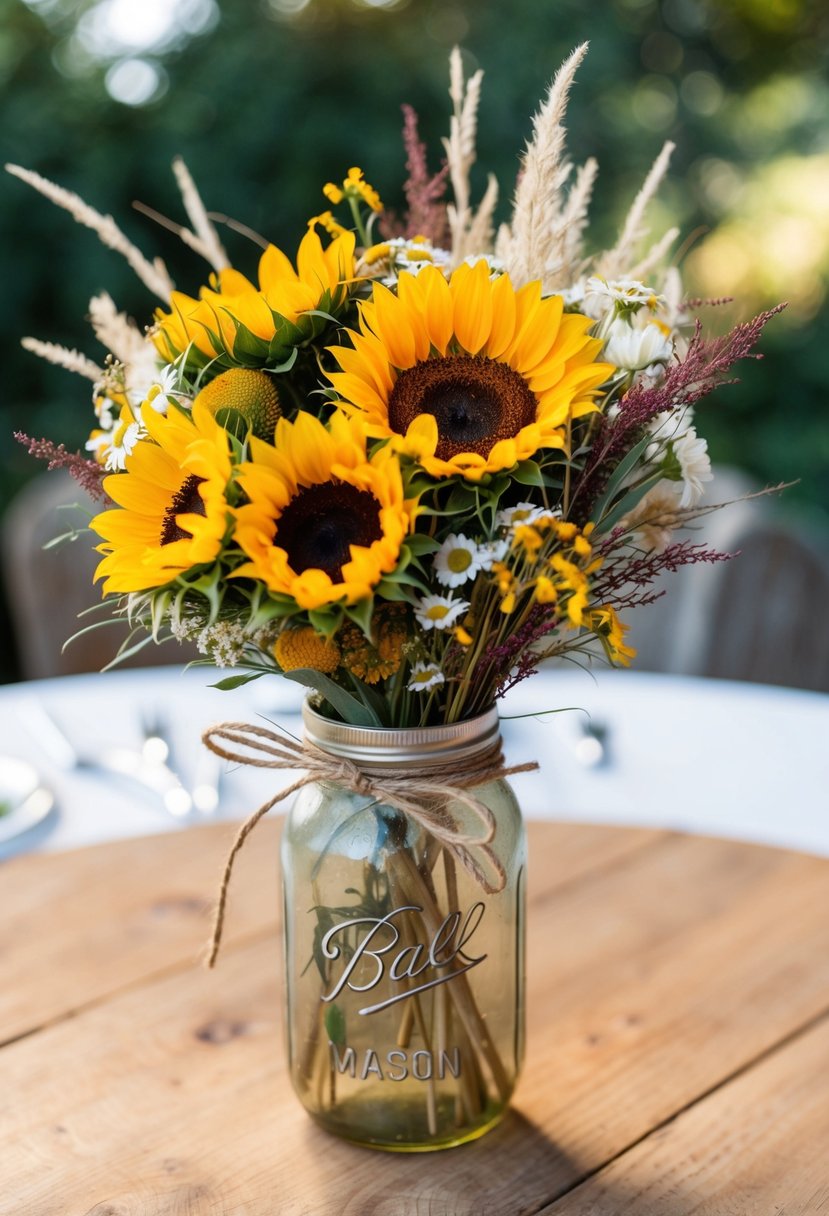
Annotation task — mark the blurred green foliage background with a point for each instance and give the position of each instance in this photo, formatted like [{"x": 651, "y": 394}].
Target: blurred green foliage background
[{"x": 268, "y": 99}]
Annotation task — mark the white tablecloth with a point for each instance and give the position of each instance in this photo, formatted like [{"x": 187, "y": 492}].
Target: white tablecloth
[{"x": 703, "y": 756}]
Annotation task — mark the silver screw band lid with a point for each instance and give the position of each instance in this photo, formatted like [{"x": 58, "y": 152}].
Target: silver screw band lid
[{"x": 417, "y": 747}]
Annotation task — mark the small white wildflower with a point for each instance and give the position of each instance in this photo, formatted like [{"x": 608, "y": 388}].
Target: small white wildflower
[
  {"x": 185, "y": 628},
  {"x": 630, "y": 293},
  {"x": 635, "y": 349},
  {"x": 122, "y": 440},
  {"x": 425, "y": 675},
  {"x": 439, "y": 611},
  {"x": 493, "y": 551},
  {"x": 401, "y": 254},
  {"x": 223, "y": 642},
  {"x": 97, "y": 442},
  {"x": 107, "y": 412},
  {"x": 666, "y": 426},
  {"x": 161, "y": 395},
  {"x": 457, "y": 560},
  {"x": 573, "y": 296},
  {"x": 521, "y": 513},
  {"x": 695, "y": 465}
]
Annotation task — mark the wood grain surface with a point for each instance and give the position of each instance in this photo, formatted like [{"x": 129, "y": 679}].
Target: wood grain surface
[{"x": 678, "y": 1041}]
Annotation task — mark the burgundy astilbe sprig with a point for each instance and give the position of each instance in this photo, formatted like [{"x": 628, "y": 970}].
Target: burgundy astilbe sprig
[
  {"x": 704, "y": 368},
  {"x": 624, "y": 581},
  {"x": 424, "y": 190},
  {"x": 88, "y": 474}
]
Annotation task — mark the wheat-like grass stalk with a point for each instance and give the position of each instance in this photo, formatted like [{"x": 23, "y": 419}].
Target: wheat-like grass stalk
[
  {"x": 569, "y": 244},
  {"x": 114, "y": 330},
  {"x": 62, "y": 356},
  {"x": 617, "y": 260},
  {"x": 460, "y": 148},
  {"x": 538, "y": 194},
  {"x": 654, "y": 255},
  {"x": 478, "y": 235},
  {"x": 204, "y": 232},
  {"x": 153, "y": 274}
]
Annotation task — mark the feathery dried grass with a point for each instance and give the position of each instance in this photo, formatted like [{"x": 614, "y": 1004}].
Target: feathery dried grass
[
  {"x": 617, "y": 261},
  {"x": 62, "y": 356},
  {"x": 114, "y": 330},
  {"x": 537, "y": 209},
  {"x": 204, "y": 238},
  {"x": 460, "y": 150},
  {"x": 153, "y": 274}
]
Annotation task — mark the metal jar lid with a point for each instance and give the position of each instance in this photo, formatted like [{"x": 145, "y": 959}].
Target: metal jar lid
[{"x": 420, "y": 747}]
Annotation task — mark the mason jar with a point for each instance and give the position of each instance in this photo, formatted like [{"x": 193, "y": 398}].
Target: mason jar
[{"x": 405, "y": 971}]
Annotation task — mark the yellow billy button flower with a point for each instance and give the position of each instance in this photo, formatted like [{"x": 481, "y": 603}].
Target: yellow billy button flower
[
  {"x": 468, "y": 375},
  {"x": 463, "y": 636},
  {"x": 323, "y": 522},
  {"x": 171, "y": 512},
  {"x": 242, "y": 401},
  {"x": 304, "y": 647}
]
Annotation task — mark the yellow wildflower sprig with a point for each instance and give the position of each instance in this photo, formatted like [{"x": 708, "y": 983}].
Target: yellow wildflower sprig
[{"x": 356, "y": 191}]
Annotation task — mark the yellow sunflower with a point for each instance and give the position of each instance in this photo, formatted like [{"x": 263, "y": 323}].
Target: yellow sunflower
[
  {"x": 469, "y": 374},
  {"x": 324, "y": 522},
  {"x": 208, "y": 323},
  {"x": 172, "y": 513}
]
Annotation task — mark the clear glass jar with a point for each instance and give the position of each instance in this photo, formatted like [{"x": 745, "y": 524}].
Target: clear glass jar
[{"x": 405, "y": 979}]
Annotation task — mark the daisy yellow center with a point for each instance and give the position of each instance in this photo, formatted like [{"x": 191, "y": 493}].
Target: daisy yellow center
[
  {"x": 437, "y": 612},
  {"x": 186, "y": 500},
  {"x": 476, "y": 402},
  {"x": 459, "y": 560},
  {"x": 322, "y": 522}
]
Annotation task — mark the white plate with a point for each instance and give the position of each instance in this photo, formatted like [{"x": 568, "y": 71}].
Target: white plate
[{"x": 24, "y": 802}]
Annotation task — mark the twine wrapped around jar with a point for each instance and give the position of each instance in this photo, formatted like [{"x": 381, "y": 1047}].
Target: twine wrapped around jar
[{"x": 423, "y": 797}]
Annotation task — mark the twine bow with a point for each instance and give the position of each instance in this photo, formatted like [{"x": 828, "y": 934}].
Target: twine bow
[{"x": 423, "y": 796}]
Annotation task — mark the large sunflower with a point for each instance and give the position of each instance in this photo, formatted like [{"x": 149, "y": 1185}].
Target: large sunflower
[
  {"x": 469, "y": 374},
  {"x": 268, "y": 312},
  {"x": 172, "y": 513},
  {"x": 324, "y": 522}
]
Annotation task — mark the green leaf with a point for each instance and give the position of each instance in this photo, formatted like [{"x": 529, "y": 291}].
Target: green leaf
[
  {"x": 231, "y": 682},
  {"x": 625, "y": 466},
  {"x": 634, "y": 495},
  {"x": 528, "y": 473},
  {"x": 335, "y": 1025},
  {"x": 346, "y": 705}
]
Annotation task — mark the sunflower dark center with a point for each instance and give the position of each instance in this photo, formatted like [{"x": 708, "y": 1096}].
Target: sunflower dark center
[
  {"x": 319, "y": 525},
  {"x": 186, "y": 500},
  {"x": 475, "y": 401}
]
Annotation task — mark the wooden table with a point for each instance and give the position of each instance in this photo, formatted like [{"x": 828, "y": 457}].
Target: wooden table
[{"x": 678, "y": 1050}]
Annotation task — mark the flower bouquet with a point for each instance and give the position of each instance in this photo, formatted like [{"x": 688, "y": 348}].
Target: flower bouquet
[{"x": 403, "y": 470}]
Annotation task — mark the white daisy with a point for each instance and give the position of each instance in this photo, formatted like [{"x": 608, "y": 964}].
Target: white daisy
[
  {"x": 695, "y": 465},
  {"x": 521, "y": 513},
  {"x": 425, "y": 675},
  {"x": 494, "y": 551},
  {"x": 107, "y": 412},
  {"x": 439, "y": 611},
  {"x": 122, "y": 440},
  {"x": 630, "y": 293},
  {"x": 161, "y": 395},
  {"x": 635, "y": 349},
  {"x": 457, "y": 560}
]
